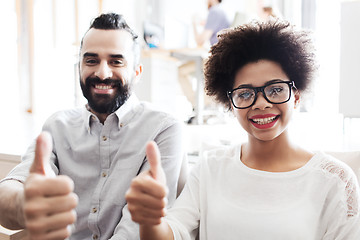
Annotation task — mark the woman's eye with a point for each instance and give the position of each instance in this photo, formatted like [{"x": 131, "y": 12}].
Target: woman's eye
[
  {"x": 244, "y": 95},
  {"x": 276, "y": 90}
]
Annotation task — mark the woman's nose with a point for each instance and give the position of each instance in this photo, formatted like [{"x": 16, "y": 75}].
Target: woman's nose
[{"x": 261, "y": 102}]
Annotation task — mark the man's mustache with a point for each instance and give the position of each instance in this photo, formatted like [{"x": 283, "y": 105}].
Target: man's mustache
[{"x": 107, "y": 81}]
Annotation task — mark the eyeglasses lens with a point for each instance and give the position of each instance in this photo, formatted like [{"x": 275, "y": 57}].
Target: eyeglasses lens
[{"x": 275, "y": 93}]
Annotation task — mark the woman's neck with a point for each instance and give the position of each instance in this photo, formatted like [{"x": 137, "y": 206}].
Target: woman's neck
[{"x": 277, "y": 155}]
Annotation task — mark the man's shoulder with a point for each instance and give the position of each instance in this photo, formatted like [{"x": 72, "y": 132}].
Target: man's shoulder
[
  {"x": 68, "y": 115},
  {"x": 152, "y": 112}
]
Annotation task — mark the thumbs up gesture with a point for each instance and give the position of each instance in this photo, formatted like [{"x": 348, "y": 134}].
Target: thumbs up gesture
[
  {"x": 146, "y": 197},
  {"x": 43, "y": 150},
  {"x": 49, "y": 199}
]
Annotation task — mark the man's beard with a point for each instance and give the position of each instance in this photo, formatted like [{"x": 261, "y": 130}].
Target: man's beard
[{"x": 103, "y": 103}]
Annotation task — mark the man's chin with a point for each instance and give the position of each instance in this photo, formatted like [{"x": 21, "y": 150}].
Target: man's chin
[{"x": 107, "y": 105}]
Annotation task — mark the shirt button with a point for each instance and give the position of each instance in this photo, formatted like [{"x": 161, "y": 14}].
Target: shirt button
[
  {"x": 121, "y": 125},
  {"x": 104, "y": 138},
  {"x": 95, "y": 237},
  {"x": 104, "y": 174},
  {"x": 94, "y": 210}
]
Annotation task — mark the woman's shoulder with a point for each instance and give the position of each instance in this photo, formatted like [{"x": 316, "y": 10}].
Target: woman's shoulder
[
  {"x": 220, "y": 155},
  {"x": 344, "y": 176},
  {"x": 333, "y": 167}
]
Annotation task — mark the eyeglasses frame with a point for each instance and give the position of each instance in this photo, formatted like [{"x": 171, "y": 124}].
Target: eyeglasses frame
[{"x": 291, "y": 85}]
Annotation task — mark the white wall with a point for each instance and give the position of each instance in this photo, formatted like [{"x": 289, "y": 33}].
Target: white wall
[{"x": 349, "y": 103}]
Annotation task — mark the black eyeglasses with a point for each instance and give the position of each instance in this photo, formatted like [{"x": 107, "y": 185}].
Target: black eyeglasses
[{"x": 276, "y": 92}]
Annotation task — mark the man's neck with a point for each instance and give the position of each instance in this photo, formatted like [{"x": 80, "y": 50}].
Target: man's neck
[{"x": 101, "y": 116}]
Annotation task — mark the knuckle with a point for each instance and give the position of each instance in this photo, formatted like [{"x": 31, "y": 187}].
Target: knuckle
[
  {"x": 134, "y": 219},
  {"x": 33, "y": 236},
  {"x": 67, "y": 233},
  {"x": 163, "y": 203},
  {"x": 31, "y": 190},
  {"x": 72, "y": 200},
  {"x": 132, "y": 208},
  {"x": 34, "y": 227},
  {"x": 130, "y": 197},
  {"x": 30, "y": 209},
  {"x": 66, "y": 183},
  {"x": 128, "y": 194},
  {"x": 135, "y": 183},
  {"x": 157, "y": 221},
  {"x": 73, "y": 216}
]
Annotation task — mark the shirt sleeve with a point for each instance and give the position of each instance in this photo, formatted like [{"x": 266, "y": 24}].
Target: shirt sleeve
[
  {"x": 171, "y": 149},
  {"x": 184, "y": 217},
  {"x": 344, "y": 220},
  {"x": 172, "y": 153},
  {"x": 126, "y": 229}
]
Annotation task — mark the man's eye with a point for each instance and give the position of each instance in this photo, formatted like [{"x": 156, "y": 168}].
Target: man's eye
[
  {"x": 117, "y": 62},
  {"x": 90, "y": 61}
]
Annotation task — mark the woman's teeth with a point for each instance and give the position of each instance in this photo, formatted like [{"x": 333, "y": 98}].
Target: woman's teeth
[{"x": 262, "y": 121}]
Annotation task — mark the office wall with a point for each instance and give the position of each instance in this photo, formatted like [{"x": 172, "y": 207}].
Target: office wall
[{"x": 349, "y": 102}]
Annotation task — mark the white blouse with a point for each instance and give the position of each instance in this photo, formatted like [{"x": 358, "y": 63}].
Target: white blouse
[{"x": 225, "y": 199}]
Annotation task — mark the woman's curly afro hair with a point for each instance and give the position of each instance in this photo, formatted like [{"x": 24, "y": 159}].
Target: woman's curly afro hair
[{"x": 274, "y": 40}]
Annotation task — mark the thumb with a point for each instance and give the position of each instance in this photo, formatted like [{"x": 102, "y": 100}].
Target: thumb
[
  {"x": 154, "y": 158},
  {"x": 43, "y": 150}
]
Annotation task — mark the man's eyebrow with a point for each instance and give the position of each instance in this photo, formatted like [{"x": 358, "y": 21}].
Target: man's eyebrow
[
  {"x": 87, "y": 54},
  {"x": 117, "y": 56}
]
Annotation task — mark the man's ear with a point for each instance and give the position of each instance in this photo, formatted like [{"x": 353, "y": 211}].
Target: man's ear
[
  {"x": 297, "y": 97},
  {"x": 138, "y": 72}
]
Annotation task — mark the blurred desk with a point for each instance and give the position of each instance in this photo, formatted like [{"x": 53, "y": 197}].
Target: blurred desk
[
  {"x": 8, "y": 162},
  {"x": 197, "y": 55},
  {"x": 6, "y": 234}
]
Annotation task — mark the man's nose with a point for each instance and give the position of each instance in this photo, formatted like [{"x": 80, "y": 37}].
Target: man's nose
[
  {"x": 103, "y": 71},
  {"x": 261, "y": 102}
]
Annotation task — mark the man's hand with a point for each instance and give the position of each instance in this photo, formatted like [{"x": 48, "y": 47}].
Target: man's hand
[
  {"x": 49, "y": 200},
  {"x": 146, "y": 197}
]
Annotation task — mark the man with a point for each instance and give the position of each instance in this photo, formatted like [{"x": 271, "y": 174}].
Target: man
[
  {"x": 215, "y": 22},
  {"x": 95, "y": 151}
]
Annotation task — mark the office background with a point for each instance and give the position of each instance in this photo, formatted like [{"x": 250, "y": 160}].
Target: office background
[{"x": 40, "y": 41}]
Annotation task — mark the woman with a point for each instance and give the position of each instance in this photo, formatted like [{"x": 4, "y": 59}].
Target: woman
[{"x": 267, "y": 188}]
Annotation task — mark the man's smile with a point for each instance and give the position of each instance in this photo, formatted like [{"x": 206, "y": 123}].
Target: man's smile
[{"x": 103, "y": 88}]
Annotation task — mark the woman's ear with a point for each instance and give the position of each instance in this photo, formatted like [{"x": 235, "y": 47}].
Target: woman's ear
[{"x": 297, "y": 97}]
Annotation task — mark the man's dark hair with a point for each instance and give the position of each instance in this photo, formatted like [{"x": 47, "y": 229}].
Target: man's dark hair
[
  {"x": 274, "y": 40},
  {"x": 114, "y": 21}
]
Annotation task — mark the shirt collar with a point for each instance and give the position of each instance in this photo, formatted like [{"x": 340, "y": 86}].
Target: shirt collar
[{"x": 132, "y": 102}]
